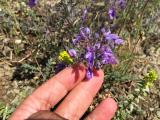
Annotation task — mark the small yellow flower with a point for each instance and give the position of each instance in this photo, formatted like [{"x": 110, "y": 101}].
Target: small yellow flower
[
  {"x": 150, "y": 78},
  {"x": 64, "y": 56}
]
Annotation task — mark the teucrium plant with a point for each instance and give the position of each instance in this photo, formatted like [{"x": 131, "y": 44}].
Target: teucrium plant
[{"x": 94, "y": 46}]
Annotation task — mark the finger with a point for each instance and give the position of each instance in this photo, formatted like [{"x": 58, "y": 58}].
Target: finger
[
  {"x": 59, "y": 85},
  {"x": 47, "y": 95},
  {"x": 105, "y": 111},
  {"x": 79, "y": 99}
]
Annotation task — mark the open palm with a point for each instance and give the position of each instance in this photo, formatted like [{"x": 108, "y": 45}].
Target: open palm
[{"x": 78, "y": 92}]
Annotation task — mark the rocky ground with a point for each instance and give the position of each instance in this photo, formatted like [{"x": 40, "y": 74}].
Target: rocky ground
[{"x": 12, "y": 91}]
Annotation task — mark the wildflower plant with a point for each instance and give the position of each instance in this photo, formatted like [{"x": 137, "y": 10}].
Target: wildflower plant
[
  {"x": 87, "y": 31},
  {"x": 94, "y": 46},
  {"x": 64, "y": 56},
  {"x": 149, "y": 78}
]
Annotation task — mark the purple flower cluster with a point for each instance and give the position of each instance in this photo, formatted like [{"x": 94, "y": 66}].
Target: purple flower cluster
[
  {"x": 96, "y": 48},
  {"x": 32, "y": 3},
  {"x": 112, "y": 10},
  {"x": 112, "y": 13},
  {"x": 122, "y": 3}
]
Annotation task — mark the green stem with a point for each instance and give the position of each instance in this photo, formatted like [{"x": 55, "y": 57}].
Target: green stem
[
  {"x": 130, "y": 6},
  {"x": 15, "y": 19},
  {"x": 138, "y": 39}
]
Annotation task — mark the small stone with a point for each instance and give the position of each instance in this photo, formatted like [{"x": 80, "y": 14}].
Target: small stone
[
  {"x": 155, "y": 118},
  {"x": 1, "y": 74},
  {"x": 151, "y": 109},
  {"x": 3, "y": 83},
  {"x": 91, "y": 108},
  {"x": 16, "y": 91},
  {"x": 36, "y": 78},
  {"x": 158, "y": 114},
  {"x": 6, "y": 67},
  {"x": 6, "y": 87},
  {"x": 100, "y": 96},
  {"x": 6, "y": 40},
  {"x": 23, "y": 4},
  {"x": 18, "y": 41},
  {"x": 8, "y": 73},
  {"x": 15, "y": 84}
]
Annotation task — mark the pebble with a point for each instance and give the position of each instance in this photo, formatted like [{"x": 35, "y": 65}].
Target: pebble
[
  {"x": 155, "y": 118},
  {"x": 14, "y": 84},
  {"x": 18, "y": 41},
  {"x": 158, "y": 114},
  {"x": 8, "y": 73},
  {"x": 3, "y": 83},
  {"x": 1, "y": 74},
  {"x": 151, "y": 109},
  {"x": 16, "y": 91}
]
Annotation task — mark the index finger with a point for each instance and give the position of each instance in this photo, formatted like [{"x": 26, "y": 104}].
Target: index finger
[
  {"x": 79, "y": 99},
  {"x": 51, "y": 92},
  {"x": 58, "y": 86}
]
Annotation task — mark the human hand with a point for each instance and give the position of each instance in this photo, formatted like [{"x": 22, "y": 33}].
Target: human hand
[{"x": 78, "y": 92}]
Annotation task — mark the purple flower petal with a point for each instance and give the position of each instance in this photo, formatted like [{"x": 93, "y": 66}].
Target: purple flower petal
[
  {"x": 32, "y": 3},
  {"x": 72, "y": 52},
  {"x": 112, "y": 13},
  {"x": 108, "y": 58},
  {"x": 96, "y": 35},
  {"x": 111, "y": 36},
  {"x": 85, "y": 11},
  {"x": 97, "y": 46},
  {"x": 103, "y": 30},
  {"x": 89, "y": 73},
  {"x": 114, "y": 36},
  {"x": 90, "y": 49},
  {"x": 89, "y": 56},
  {"x": 77, "y": 39},
  {"x": 85, "y": 32},
  {"x": 119, "y": 41},
  {"x": 105, "y": 34},
  {"x": 122, "y": 3},
  {"x": 105, "y": 49}
]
